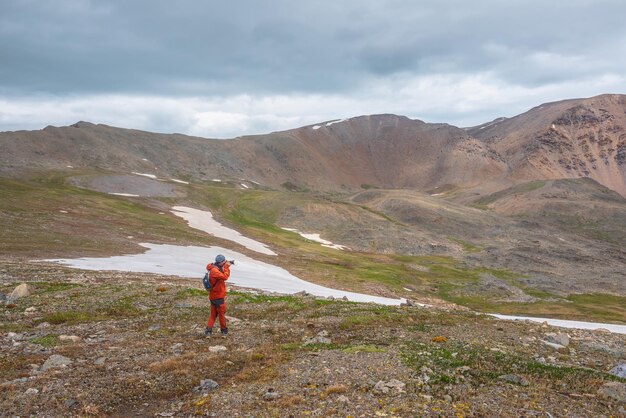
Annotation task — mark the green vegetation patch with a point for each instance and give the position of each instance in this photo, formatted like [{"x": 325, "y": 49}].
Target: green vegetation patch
[
  {"x": 47, "y": 341},
  {"x": 49, "y": 287},
  {"x": 70, "y": 317},
  {"x": 191, "y": 292},
  {"x": 453, "y": 362}
]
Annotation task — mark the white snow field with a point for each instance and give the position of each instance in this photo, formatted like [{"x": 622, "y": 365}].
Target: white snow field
[
  {"x": 317, "y": 238},
  {"x": 191, "y": 262},
  {"x": 203, "y": 220}
]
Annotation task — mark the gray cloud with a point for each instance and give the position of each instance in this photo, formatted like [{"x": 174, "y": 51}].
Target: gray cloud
[{"x": 188, "y": 48}]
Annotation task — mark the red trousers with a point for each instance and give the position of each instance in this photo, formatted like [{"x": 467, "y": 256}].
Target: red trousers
[{"x": 217, "y": 311}]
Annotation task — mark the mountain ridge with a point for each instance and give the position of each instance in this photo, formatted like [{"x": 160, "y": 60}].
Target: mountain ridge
[{"x": 565, "y": 139}]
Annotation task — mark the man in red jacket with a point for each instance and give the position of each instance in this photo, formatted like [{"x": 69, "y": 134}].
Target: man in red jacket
[{"x": 218, "y": 274}]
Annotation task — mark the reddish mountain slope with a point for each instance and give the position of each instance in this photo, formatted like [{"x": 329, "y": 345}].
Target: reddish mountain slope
[{"x": 566, "y": 139}]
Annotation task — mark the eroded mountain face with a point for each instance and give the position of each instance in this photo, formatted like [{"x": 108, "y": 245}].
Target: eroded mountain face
[{"x": 569, "y": 139}]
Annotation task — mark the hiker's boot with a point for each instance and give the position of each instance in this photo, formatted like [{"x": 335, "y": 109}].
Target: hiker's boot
[
  {"x": 224, "y": 332},
  {"x": 208, "y": 331}
]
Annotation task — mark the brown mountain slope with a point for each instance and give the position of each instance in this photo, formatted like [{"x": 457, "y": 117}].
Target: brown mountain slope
[
  {"x": 566, "y": 139},
  {"x": 382, "y": 150}
]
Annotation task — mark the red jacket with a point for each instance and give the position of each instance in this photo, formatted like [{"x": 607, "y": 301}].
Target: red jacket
[{"x": 217, "y": 278}]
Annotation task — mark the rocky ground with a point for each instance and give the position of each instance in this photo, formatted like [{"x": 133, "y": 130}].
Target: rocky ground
[{"x": 124, "y": 344}]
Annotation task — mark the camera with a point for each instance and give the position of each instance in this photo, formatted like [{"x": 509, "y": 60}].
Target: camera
[{"x": 231, "y": 261}]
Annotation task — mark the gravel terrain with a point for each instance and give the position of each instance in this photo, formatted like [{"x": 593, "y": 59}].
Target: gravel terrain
[{"x": 119, "y": 344}]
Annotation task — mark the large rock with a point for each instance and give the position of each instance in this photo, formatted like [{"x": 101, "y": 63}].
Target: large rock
[
  {"x": 20, "y": 291},
  {"x": 602, "y": 347},
  {"x": 619, "y": 370},
  {"x": 560, "y": 338},
  {"x": 69, "y": 338},
  {"x": 320, "y": 338},
  {"x": 615, "y": 391},
  {"x": 56, "y": 361},
  {"x": 206, "y": 386},
  {"x": 515, "y": 379},
  {"x": 558, "y": 347}
]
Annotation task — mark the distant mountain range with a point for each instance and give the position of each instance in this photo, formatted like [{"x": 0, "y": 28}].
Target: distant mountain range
[{"x": 560, "y": 140}]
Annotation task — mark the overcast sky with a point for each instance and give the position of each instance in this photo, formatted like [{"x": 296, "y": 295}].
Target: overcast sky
[{"x": 228, "y": 68}]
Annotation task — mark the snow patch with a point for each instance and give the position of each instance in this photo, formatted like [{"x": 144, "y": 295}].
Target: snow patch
[
  {"x": 407, "y": 289},
  {"x": 217, "y": 180},
  {"x": 245, "y": 186},
  {"x": 69, "y": 166},
  {"x": 437, "y": 194},
  {"x": 189, "y": 262},
  {"x": 619, "y": 329},
  {"x": 179, "y": 181},
  {"x": 152, "y": 176},
  {"x": 335, "y": 121},
  {"x": 316, "y": 127},
  {"x": 144, "y": 159},
  {"x": 317, "y": 238},
  {"x": 63, "y": 211},
  {"x": 125, "y": 194},
  {"x": 203, "y": 220}
]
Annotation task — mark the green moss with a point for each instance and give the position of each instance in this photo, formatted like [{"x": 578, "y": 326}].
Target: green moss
[
  {"x": 191, "y": 293},
  {"x": 48, "y": 287},
  {"x": 366, "y": 348},
  {"x": 46, "y": 341}
]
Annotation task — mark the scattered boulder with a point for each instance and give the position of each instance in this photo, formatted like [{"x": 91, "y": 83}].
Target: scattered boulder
[
  {"x": 619, "y": 370},
  {"x": 68, "y": 403},
  {"x": 20, "y": 291},
  {"x": 69, "y": 338},
  {"x": 380, "y": 387},
  {"x": 43, "y": 325},
  {"x": 217, "y": 349},
  {"x": 386, "y": 387},
  {"x": 320, "y": 338},
  {"x": 561, "y": 338},
  {"x": 558, "y": 347},
  {"x": 270, "y": 395},
  {"x": 56, "y": 361},
  {"x": 343, "y": 399},
  {"x": 232, "y": 320},
  {"x": 615, "y": 391},
  {"x": 206, "y": 386},
  {"x": 32, "y": 391},
  {"x": 100, "y": 361},
  {"x": 603, "y": 348},
  {"x": 515, "y": 379}
]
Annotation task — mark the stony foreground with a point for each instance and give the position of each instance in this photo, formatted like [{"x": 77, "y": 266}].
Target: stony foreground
[{"x": 110, "y": 344}]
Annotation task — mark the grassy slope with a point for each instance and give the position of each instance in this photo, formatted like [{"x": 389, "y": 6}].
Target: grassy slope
[{"x": 32, "y": 225}]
